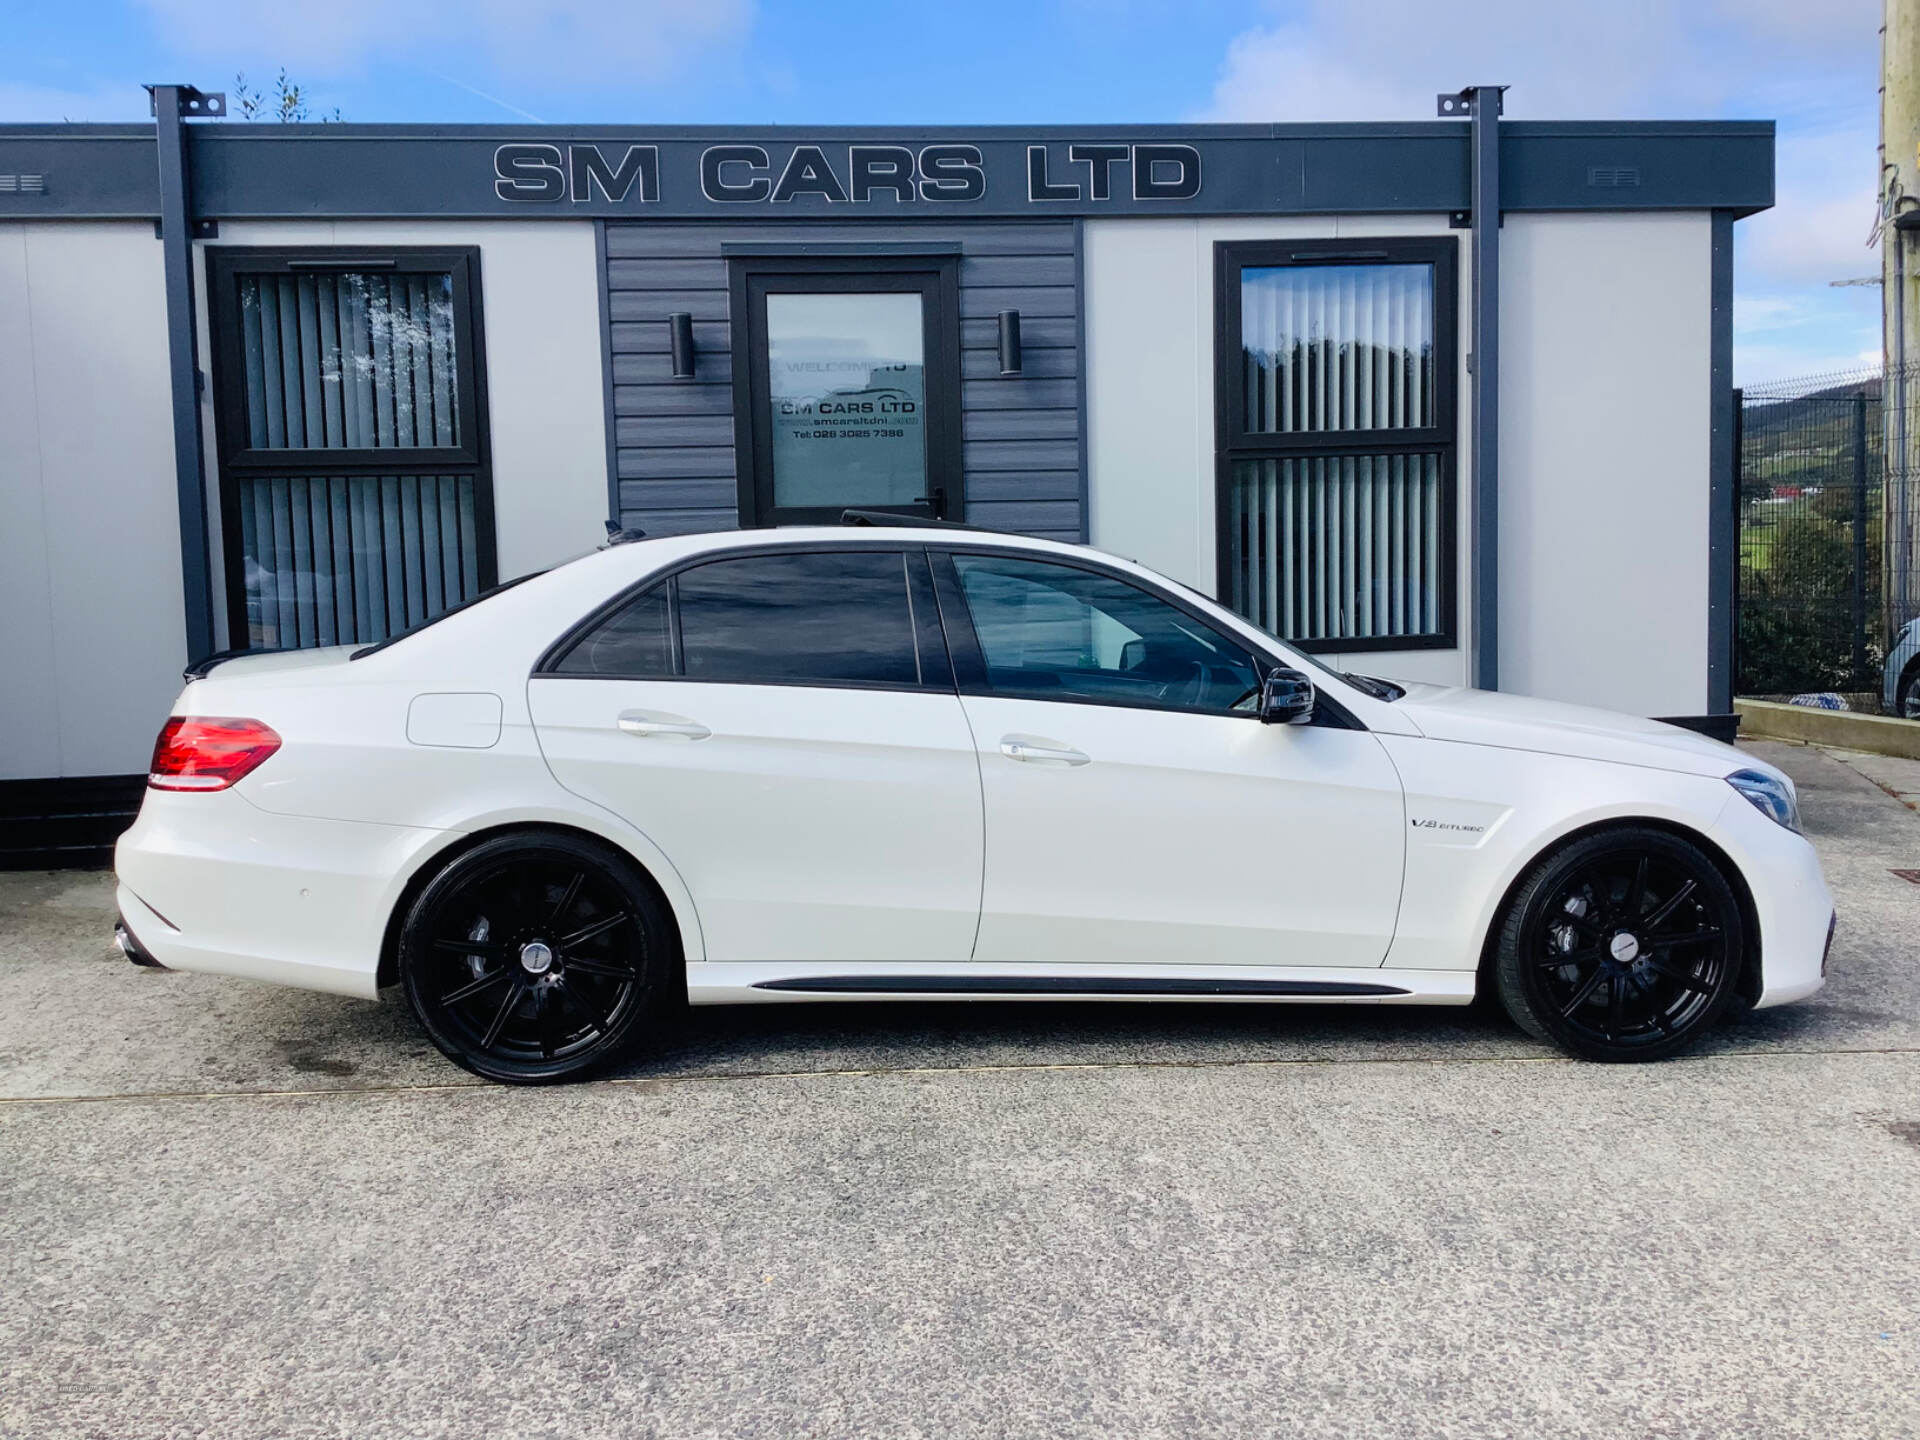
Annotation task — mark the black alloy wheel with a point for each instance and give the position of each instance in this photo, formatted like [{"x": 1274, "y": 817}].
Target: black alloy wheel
[
  {"x": 534, "y": 958},
  {"x": 1625, "y": 945},
  {"x": 1908, "y": 699}
]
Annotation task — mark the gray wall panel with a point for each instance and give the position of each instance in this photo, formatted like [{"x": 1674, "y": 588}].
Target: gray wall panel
[{"x": 1021, "y": 435}]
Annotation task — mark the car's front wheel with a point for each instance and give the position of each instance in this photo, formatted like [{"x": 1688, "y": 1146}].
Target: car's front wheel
[
  {"x": 533, "y": 958},
  {"x": 1907, "y": 698},
  {"x": 1625, "y": 945}
]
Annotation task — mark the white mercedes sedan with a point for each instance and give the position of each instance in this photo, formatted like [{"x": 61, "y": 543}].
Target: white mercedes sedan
[{"x": 893, "y": 763}]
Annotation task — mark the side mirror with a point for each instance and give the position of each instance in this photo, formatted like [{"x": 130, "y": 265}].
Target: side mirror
[{"x": 1286, "y": 698}]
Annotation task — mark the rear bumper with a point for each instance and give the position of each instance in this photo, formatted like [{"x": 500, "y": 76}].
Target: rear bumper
[
  {"x": 130, "y": 945},
  {"x": 211, "y": 883}
]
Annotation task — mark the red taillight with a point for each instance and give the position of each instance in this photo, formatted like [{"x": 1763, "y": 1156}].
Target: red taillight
[{"x": 204, "y": 752}]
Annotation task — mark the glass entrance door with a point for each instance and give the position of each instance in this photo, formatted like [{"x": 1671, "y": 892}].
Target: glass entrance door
[{"x": 851, "y": 393}]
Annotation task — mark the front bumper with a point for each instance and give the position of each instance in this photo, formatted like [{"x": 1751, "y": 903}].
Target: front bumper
[{"x": 1790, "y": 897}]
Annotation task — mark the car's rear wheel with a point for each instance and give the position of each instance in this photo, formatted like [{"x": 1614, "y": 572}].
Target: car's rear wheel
[
  {"x": 534, "y": 958},
  {"x": 1625, "y": 945}
]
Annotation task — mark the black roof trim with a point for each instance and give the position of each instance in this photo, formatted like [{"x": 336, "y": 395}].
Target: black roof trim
[{"x": 245, "y": 171}]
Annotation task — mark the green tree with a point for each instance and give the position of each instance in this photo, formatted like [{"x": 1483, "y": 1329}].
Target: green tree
[{"x": 285, "y": 102}]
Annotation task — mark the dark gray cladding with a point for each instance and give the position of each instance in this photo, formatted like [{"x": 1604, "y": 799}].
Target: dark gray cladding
[
  {"x": 673, "y": 439},
  {"x": 982, "y": 172}
]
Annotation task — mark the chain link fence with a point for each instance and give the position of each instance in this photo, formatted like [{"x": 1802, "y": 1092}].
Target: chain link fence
[{"x": 1826, "y": 575}]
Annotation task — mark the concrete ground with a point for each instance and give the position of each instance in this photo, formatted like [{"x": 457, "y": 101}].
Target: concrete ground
[{"x": 230, "y": 1210}]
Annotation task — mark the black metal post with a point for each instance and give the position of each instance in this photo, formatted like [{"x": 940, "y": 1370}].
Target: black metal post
[
  {"x": 1483, "y": 103},
  {"x": 1736, "y": 519},
  {"x": 171, "y": 105},
  {"x": 1860, "y": 538}
]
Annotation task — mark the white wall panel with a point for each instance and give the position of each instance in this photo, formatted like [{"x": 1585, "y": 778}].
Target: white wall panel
[
  {"x": 91, "y": 631},
  {"x": 1604, "y": 430}
]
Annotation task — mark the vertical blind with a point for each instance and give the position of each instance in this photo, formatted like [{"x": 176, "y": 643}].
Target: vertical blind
[
  {"x": 1338, "y": 547},
  {"x": 349, "y": 560},
  {"x": 350, "y": 361},
  {"x": 1342, "y": 540},
  {"x": 1337, "y": 347}
]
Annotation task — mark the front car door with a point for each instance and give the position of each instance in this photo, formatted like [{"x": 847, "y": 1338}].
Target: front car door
[
  {"x": 1137, "y": 809},
  {"x": 783, "y": 726}
]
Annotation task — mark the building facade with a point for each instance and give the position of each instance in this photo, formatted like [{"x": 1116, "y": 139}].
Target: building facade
[{"x": 1445, "y": 401}]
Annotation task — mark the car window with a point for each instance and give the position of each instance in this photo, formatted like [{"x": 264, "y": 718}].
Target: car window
[
  {"x": 838, "y": 617},
  {"x": 634, "y": 642},
  {"x": 1057, "y": 632},
  {"x": 831, "y": 618}
]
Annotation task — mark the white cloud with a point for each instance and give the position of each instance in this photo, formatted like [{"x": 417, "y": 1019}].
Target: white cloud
[
  {"x": 592, "y": 40},
  {"x": 1813, "y": 68},
  {"x": 1566, "y": 59}
]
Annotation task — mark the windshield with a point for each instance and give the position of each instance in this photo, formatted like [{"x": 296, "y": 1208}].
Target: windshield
[{"x": 1366, "y": 684}]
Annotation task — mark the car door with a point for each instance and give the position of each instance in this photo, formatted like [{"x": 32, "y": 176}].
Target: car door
[
  {"x": 1137, "y": 808},
  {"x": 783, "y": 725}
]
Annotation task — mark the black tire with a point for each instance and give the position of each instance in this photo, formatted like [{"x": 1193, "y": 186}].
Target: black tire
[
  {"x": 1624, "y": 945},
  {"x": 537, "y": 957},
  {"x": 1906, "y": 700}
]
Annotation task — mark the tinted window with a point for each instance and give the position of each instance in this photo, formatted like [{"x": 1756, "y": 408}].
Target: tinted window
[
  {"x": 1054, "y": 632},
  {"x": 832, "y": 618},
  {"x": 633, "y": 641}
]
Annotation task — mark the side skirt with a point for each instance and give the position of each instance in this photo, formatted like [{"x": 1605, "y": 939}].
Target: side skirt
[
  {"x": 1069, "y": 985},
  {"x": 750, "y": 984}
]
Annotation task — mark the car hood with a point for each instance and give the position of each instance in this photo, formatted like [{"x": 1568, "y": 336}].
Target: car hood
[{"x": 1518, "y": 722}]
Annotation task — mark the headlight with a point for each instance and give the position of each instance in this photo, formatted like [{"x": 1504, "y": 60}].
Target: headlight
[{"x": 1772, "y": 797}]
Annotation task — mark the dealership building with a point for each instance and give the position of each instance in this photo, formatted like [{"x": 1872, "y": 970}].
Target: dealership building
[{"x": 1443, "y": 401}]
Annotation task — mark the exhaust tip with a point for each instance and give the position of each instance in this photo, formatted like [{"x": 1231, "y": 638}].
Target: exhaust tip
[{"x": 132, "y": 948}]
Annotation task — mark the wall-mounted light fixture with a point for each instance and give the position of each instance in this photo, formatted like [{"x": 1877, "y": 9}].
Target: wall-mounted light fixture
[
  {"x": 680, "y": 341},
  {"x": 1009, "y": 342}
]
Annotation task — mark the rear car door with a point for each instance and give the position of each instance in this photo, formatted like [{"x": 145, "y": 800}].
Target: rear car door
[
  {"x": 1137, "y": 808},
  {"x": 783, "y": 725}
]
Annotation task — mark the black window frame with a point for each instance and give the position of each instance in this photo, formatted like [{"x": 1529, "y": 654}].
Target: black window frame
[
  {"x": 1233, "y": 442},
  {"x": 936, "y": 278},
  {"x": 930, "y": 642},
  {"x": 239, "y": 458}
]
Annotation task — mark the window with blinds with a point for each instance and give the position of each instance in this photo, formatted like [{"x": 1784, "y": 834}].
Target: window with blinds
[
  {"x": 355, "y": 495},
  {"x": 1336, "y": 392}
]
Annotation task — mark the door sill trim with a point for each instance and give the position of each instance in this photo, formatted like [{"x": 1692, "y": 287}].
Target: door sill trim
[{"x": 1071, "y": 985}]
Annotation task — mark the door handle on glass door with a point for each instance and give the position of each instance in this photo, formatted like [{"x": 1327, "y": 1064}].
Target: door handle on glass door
[
  {"x": 1041, "y": 752},
  {"x": 657, "y": 725}
]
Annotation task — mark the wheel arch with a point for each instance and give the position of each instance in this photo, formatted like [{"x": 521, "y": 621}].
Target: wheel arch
[
  {"x": 431, "y": 862},
  {"x": 1909, "y": 675},
  {"x": 1751, "y": 975}
]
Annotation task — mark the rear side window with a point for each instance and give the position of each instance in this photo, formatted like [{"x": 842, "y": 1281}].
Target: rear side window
[
  {"x": 792, "y": 619},
  {"x": 635, "y": 641},
  {"x": 832, "y": 618}
]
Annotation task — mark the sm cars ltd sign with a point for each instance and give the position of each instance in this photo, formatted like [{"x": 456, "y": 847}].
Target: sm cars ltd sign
[{"x": 1078, "y": 174}]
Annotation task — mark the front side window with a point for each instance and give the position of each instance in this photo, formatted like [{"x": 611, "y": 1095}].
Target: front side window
[
  {"x": 1336, "y": 394},
  {"x": 816, "y": 618},
  {"x": 1058, "y": 632}
]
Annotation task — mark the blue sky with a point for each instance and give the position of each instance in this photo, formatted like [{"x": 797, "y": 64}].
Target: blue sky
[{"x": 1813, "y": 67}]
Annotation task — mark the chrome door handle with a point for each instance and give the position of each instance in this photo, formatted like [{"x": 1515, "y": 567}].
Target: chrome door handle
[
  {"x": 1037, "y": 754},
  {"x": 663, "y": 727}
]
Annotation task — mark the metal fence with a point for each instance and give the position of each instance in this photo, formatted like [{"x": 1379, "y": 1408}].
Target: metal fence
[{"x": 1814, "y": 609}]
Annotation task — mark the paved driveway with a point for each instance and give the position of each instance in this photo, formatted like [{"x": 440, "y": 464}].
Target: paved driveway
[{"x": 230, "y": 1210}]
